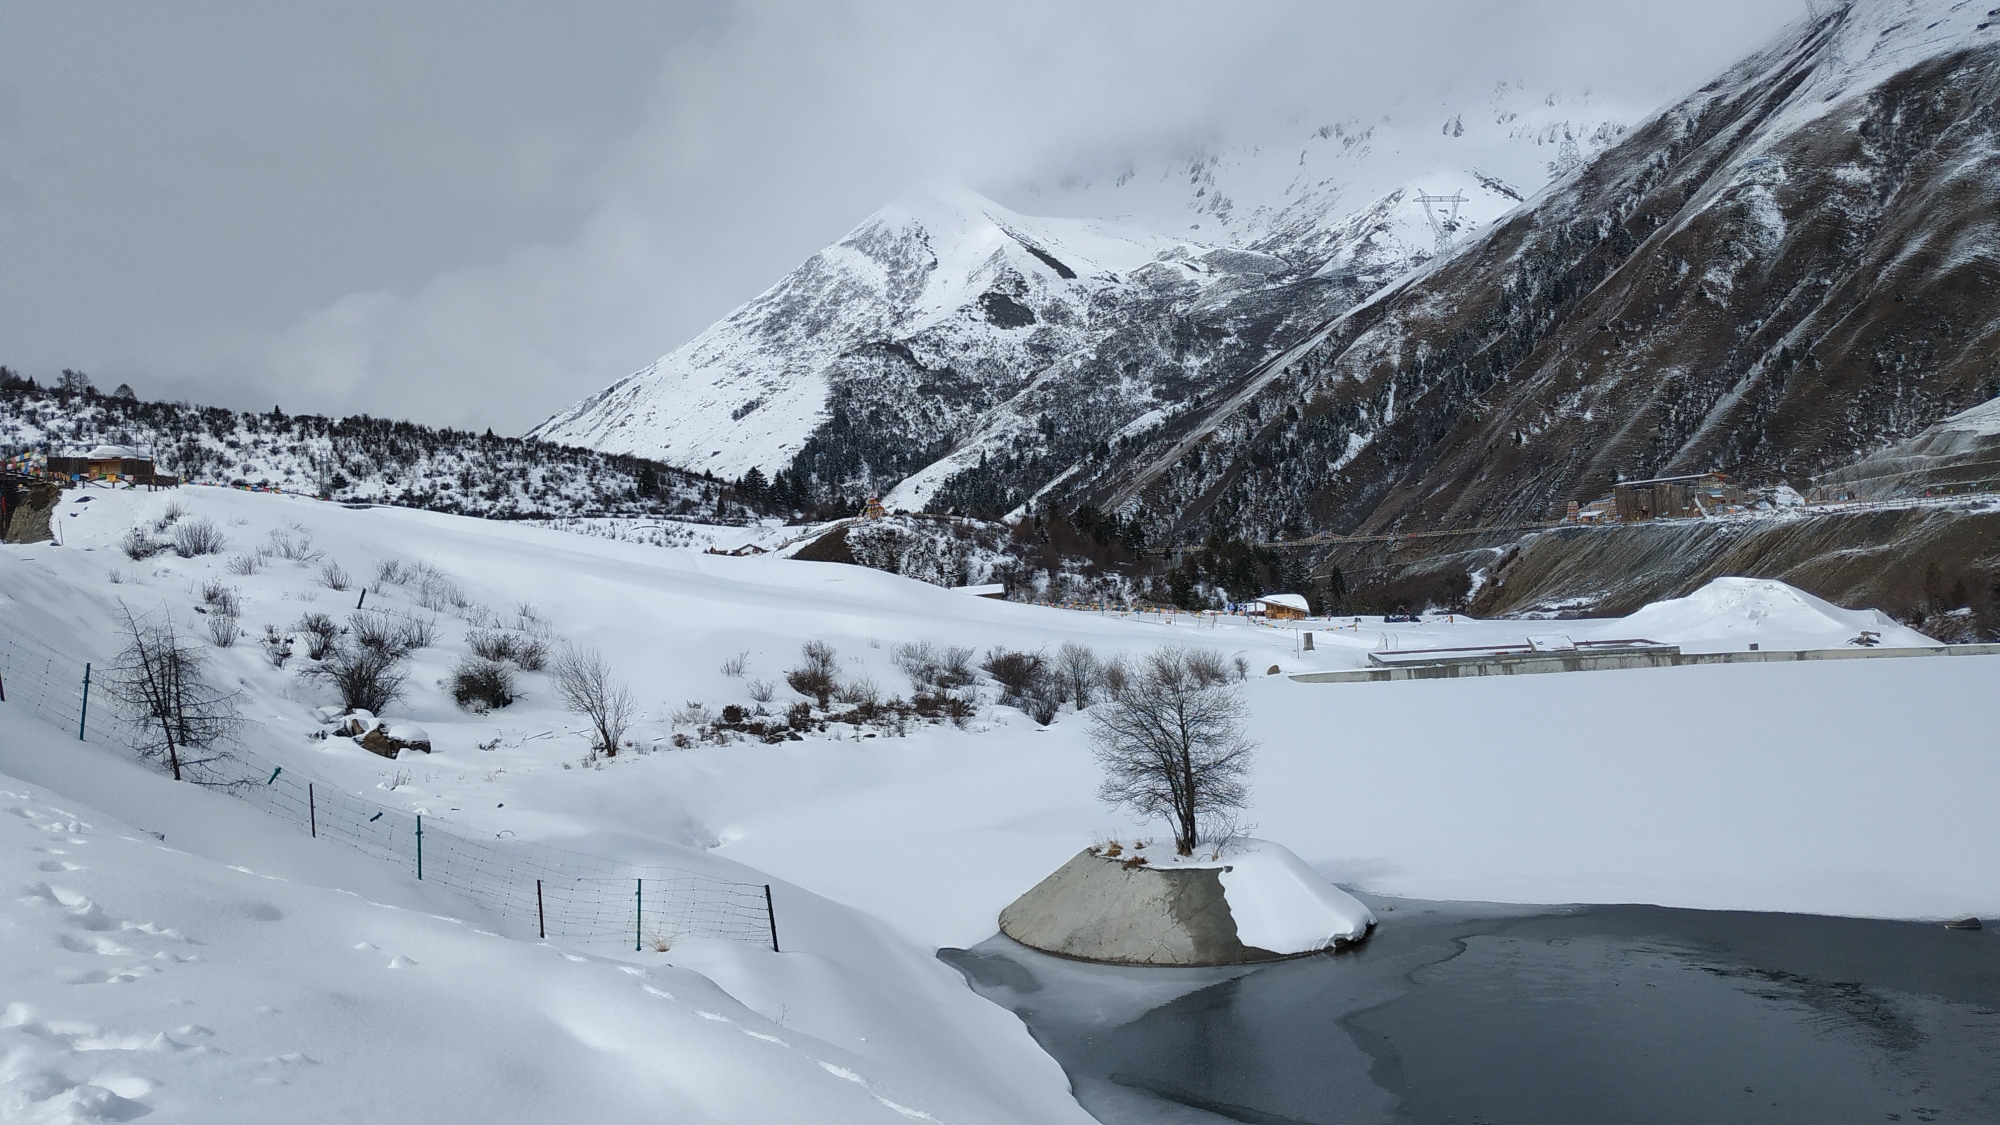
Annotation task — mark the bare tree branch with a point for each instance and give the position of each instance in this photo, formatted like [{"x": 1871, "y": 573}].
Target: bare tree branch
[{"x": 1171, "y": 742}]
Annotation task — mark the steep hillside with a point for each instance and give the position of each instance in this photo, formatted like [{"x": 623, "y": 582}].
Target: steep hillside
[
  {"x": 965, "y": 355},
  {"x": 1791, "y": 268},
  {"x": 363, "y": 459}
]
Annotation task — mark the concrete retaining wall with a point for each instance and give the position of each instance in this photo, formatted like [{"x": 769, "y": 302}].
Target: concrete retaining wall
[
  {"x": 1097, "y": 909},
  {"x": 1579, "y": 662}
]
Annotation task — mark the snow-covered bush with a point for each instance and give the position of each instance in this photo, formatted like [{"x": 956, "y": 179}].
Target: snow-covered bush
[
  {"x": 735, "y": 665},
  {"x": 198, "y": 537},
  {"x": 479, "y": 685},
  {"x": 762, "y": 691},
  {"x": 528, "y": 653},
  {"x": 366, "y": 679},
  {"x": 393, "y": 572},
  {"x": 293, "y": 545},
  {"x": 817, "y": 673},
  {"x": 1026, "y": 680},
  {"x": 169, "y": 516},
  {"x": 332, "y": 576},
  {"x": 320, "y": 632},
  {"x": 244, "y": 565},
  {"x": 139, "y": 546},
  {"x": 223, "y": 629},
  {"x": 221, "y": 598}
]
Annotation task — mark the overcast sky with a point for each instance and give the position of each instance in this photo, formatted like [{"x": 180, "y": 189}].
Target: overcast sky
[{"x": 475, "y": 213}]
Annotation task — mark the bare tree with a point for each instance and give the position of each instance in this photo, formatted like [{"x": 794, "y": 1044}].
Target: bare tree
[
  {"x": 1172, "y": 744},
  {"x": 586, "y": 687},
  {"x": 365, "y": 677},
  {"x": 1079, "y": 671},
  {"x": 177, "y": 717}
]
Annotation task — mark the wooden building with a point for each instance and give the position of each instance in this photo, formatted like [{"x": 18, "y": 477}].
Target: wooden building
[
  {"x": 1284, "y": 607},
  {"x": 1670, "y": 498}
]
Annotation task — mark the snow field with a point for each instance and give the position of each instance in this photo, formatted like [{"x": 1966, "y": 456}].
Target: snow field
[{"x": 1844, "y": 787}]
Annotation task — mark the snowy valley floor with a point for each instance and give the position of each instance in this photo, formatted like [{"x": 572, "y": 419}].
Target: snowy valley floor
[{"x": 325, "y": 985}]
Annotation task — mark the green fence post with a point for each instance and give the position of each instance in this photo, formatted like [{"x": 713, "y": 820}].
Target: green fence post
[{"x": 84, "y": 712}]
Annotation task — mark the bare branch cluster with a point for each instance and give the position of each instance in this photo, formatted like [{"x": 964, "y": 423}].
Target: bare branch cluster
[
  {"x": 176, "y": 717},
  {"x": 584, "y": 683},
  {"x": 1172, "y": 743}
]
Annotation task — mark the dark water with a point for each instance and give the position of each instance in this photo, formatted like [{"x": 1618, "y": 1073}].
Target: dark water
[{"x": 1480, "y": 1015}]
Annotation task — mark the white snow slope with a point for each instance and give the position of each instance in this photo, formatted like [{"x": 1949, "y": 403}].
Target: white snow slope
[
  {"x": 1337, "y": 197},
  {"x": 1853, "y": 787}
]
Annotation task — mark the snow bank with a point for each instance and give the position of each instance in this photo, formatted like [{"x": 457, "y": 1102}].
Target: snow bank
[
  {"x": 1282, "y": 905},
  {"x": 1729, "y": 614}
]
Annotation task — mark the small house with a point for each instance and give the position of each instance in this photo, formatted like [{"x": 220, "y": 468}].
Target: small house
[
  {"x": 1283, "y": 607},
  {"x": 105, "y": 462},
  {"x": 1684, "y": 497}
]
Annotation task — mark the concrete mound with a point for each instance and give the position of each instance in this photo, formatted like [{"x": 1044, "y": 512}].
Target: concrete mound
[{"x": 1097, "y": 908}]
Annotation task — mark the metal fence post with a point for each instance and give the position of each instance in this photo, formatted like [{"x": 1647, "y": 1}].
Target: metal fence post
[
  {"x": 541, "y": 919},
  {"x": 771, "y": 915},
  {"x": 420, "y": 845},
  {"x": 312, "y": 811},
  {"x": 83, "y": 712},
  {"x": 638, "y": 914}
]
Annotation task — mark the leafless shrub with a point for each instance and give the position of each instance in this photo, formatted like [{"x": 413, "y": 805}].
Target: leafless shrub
[
  {"x": 176, "y": 717},
  {"x": 735, "y": 665},
  {"x": 320, "y": 633},
  {"x": 223, "y": 629},
  {"x": 277, "y": 646},
  {"x": 1210, "y": 668},
  {"x": 198, "y": 537},
  {"x": 528, "y": 653},
  {"x": 1172, "y": 744},
  {"x": 1018, "y": 673},
  {"x": 762, "y": 691},
  {"x": 858, "y": 692},
  {"x": 294, "y": 545},
  {"x": 366, "y": 679},
  {"x": 584, "y": 683},
  {"x": 479, "y": 685},
  {"x": 139, "y": 546},
  {"x": 244, "y": 565},
  {"x": 695, "y": 714},
  {"x": 115, "y": 576},
  {"x": 1078, "y": 672},
  {"x": 220, "y": 598},
  {"x": 817, "y": 673},
  {"x": 392, "y": 572},
  {"x": 332, "y": 576},
  {"x": 378, "y": 631},
  {"x": 437, "y": 592},
  {"x": 1115, "y": 676},
  {"x": 169, "y": 516}
]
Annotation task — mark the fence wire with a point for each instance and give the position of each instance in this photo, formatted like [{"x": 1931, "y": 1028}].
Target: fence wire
[{"x": 556, "y": 892}]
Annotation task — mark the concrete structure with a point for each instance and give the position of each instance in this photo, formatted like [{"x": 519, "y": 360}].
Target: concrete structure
[
  {"x": 1097, "y": 909},
  {"x": 1495, "y": 662}
]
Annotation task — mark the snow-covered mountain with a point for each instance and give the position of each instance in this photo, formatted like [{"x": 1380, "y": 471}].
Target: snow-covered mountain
[
  {"x": 947, "y": 329},
  {"x": 1790, "y": 268}
]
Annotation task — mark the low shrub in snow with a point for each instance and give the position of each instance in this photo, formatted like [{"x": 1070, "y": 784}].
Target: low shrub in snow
[
  {"x": 528, "y": 653},
  {"x": 220, "y": 598},
  {"x": 365, "y": 678},
  {"x": 479, "y": 685},
  {"x": 139, "y": 546},
  {"x": 584, "y": 683},
  {"x": 223, "y": 629},
  {"x": 169, "y": 516},
  {"x": 244, "y": 565},
  {"x": 816, "y": 674},
  {"x": 198, "y": 537},
  {"x": 332, "y": 576},
  {"x": 320, "y": 634},
  {"x": 293, "y": 545}
]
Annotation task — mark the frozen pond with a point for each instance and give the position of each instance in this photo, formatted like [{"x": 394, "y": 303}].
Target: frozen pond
[{"x": 1470, "y": 1013}]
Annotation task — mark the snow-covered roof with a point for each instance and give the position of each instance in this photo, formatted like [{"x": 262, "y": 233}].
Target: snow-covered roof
[
  {"x": 988, "y": 590},
  {"x": 115, "y": 453},
  {"x": 1289, "y": 601}
]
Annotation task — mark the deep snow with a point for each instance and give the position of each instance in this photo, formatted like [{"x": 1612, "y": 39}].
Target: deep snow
[{"x": 1852, "y": 787}]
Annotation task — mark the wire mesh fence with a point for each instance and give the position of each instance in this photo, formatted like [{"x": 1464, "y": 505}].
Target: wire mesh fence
[{"x": 558, "y": 893}]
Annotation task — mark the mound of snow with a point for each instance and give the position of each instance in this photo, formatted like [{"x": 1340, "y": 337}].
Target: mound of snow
[
  {"x": 1279, "y": 902},
  {"x": 1729, "y": 614}
]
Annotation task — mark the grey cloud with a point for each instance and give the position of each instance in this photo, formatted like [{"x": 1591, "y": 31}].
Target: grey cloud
[{"x": 473, "y": 215}]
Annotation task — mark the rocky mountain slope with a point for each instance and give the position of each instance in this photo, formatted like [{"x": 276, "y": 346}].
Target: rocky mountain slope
[
  {"x": 363, "y": 459},
  {"x": 965, "y": 355},
  {"x": 1791, "y": 268}
]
